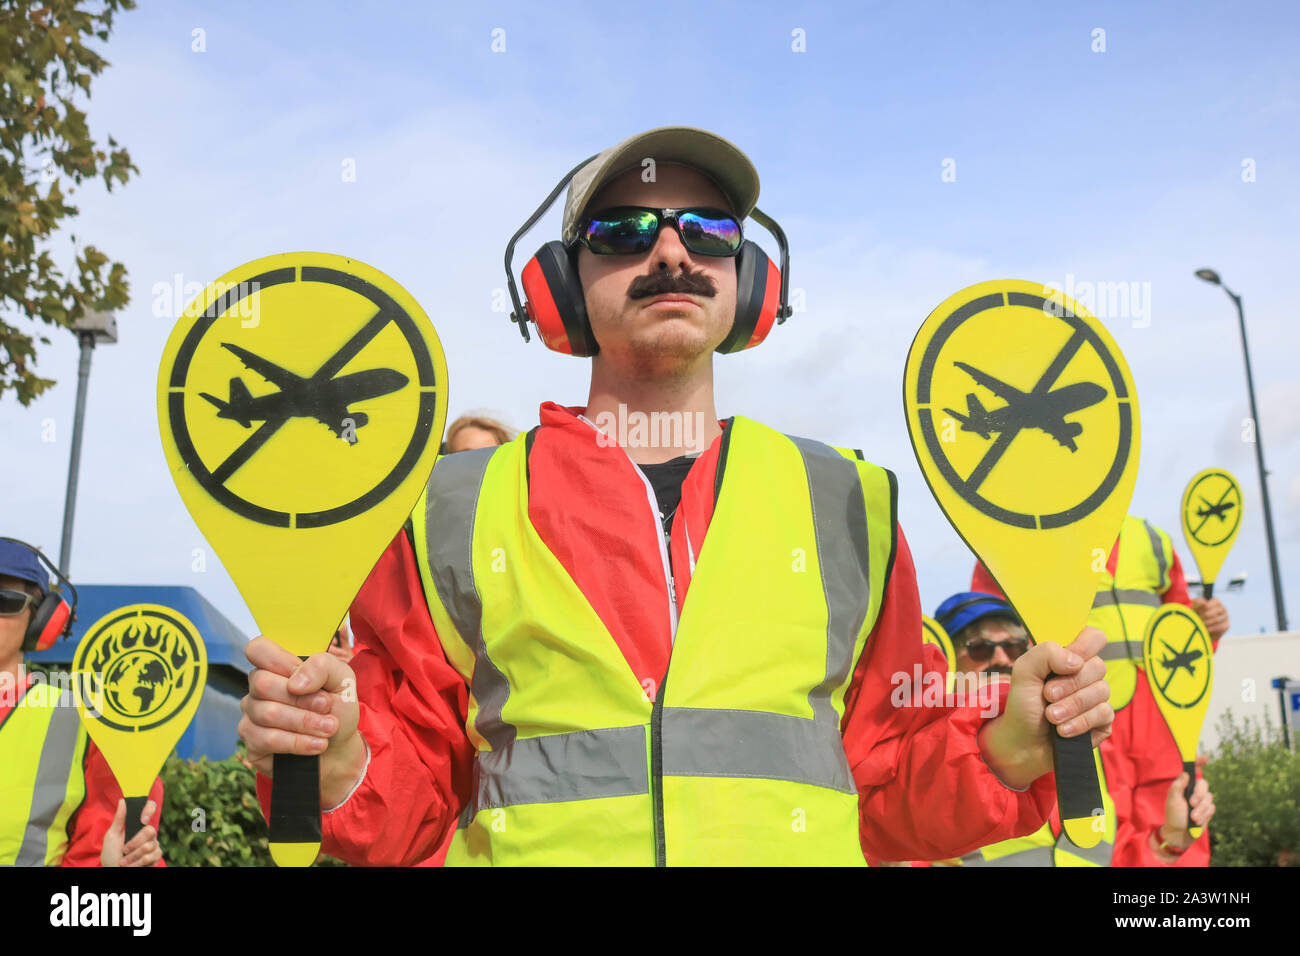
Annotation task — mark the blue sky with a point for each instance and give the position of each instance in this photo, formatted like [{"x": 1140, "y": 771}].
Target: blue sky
[{"x": 1071, "y": 165}]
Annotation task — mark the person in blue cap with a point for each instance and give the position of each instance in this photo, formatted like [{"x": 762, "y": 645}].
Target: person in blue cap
[
  {"x": 987, "y": 634},
  {"x": 60, "y": 804}
]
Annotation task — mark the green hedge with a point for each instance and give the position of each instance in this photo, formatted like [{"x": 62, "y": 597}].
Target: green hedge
[
  {"x": 1255, "y": 780},
  {"x": 211, "y": 816}
]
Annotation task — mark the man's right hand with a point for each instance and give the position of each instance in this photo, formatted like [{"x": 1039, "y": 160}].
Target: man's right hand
[{"x": 303, "y": 707}]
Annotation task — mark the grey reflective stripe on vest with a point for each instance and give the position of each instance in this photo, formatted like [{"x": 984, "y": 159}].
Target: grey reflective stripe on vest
[
  {"x": 582, "y": 765},
  {"x": 840, "y": 525},
  {"x": 1159, "y": 550},
  {"x": 1110, "y": 598},
  {"x": 1121, "y": 650},
  {"x": 748, "y": 743},
  {"x": 51, "y": 781},
  {"x": 1098, "y": 855},
  {"x": 451, "y": 507},
  {"x": 611, "y": 762},
  {"x": 1035, "y": 856}
]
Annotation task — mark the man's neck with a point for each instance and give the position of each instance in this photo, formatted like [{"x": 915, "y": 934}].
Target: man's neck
[{"x": 655, "y": 419}]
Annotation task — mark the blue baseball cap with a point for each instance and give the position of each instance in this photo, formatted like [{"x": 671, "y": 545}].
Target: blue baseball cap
[
  {"x": 962, "y": 610},
  {"x": 19, "y": 561}
]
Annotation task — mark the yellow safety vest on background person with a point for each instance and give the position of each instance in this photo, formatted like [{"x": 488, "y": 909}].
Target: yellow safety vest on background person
[
  {"x": 1125, "y": 602},
  {"x": 739, "y": 757},
  {"x": 41, "y": 780}
]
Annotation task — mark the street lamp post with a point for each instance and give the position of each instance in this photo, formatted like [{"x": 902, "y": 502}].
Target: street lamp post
[
  {"x": 92, "y": 328},
  {"x": 1209, "y": 275}
]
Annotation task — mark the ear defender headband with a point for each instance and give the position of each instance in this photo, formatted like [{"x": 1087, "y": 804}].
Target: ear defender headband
[
  {"x": 53, "y": 616},
  {"x": 553, "y": 291}
]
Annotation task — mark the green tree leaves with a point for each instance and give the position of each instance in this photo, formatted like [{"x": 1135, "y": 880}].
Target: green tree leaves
[{"x": 45, "y": 151}]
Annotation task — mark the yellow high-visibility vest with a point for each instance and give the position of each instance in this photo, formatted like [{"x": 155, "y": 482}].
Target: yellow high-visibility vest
[
  {"x": 738, "y": 758},
  {"x": 41, "y": 782},
  {"x": 1125, "y": 602}
]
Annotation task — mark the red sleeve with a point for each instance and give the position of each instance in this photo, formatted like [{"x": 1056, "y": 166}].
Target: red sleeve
[
  {"x": 1177, "y": 591},
  {"x": 925, "y": 792},
  {"x": 413, "y": 712},
  {"x": 90, "y": 821}
]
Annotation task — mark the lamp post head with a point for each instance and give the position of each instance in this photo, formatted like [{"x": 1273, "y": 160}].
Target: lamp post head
[
  {"x": 101, "y": 326},
  {"x": 1209, "y": 275}
]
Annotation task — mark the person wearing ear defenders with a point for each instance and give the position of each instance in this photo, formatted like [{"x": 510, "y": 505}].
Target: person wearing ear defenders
[
  {"x": 641, "y": 633},
  {"x": 59, "y": 802}
]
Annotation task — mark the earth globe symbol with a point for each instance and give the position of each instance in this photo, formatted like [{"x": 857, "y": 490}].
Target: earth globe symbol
[{"x": 138, "y": 684}]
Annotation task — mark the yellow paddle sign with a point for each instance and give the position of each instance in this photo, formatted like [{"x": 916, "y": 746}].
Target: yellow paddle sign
[
  {"x": 1179, "y": 660},
  {"x": 301, "y": 400},
  {"x": 1024, "y": 419},
  {"x": 140, "y": 672},
  {"x": 1211, "y": 513},
  {"x": 932, "y": 632}
]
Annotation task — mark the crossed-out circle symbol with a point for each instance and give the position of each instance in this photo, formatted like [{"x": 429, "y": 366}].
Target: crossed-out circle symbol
[
  {"x": 214, "y": 480},
  {"x": 1179, "y": 650},
  {"x": 1216, "y": 499},
  {"x": 969, "y": 488}
]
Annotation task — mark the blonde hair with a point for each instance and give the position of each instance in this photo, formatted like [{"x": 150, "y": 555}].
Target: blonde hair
[{"x": 502, "y": 433}]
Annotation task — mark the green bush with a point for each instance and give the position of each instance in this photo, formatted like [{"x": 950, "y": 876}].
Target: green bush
[
  {"x": 211, "y": 816},
  {"x": 1255, "y": 780}
]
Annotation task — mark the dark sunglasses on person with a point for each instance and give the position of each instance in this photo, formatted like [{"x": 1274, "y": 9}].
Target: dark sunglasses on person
[
  {"x": 628, "y": 230},
  {"x": 14, "y": 602},
  {"x": 981, "y": 650}
]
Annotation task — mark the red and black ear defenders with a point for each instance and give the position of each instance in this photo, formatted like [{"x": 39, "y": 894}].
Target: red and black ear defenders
[
  {"x": 553, "y": 291},
  {"x": 53, "y": 616}
]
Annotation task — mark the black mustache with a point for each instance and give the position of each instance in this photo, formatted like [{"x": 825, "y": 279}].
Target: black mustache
[{"x": 662, "y": 283}]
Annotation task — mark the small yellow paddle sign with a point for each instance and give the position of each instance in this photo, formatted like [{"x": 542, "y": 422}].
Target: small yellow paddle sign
[
  {"x": 1211, "y": 510},
  {"x": 932, "y": 632},
  {"x": 1179, "y": 660},
  {"x": 301, "y": 401},
  {"x": 140, "y": 672},
  {"x": 1023, "y": 417}
]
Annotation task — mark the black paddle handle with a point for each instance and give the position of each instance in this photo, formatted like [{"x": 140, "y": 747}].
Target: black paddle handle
[
  {"x": 134, "y": 807},
  {"x": 295, "y": 798},
  {"x": 1189, "y": 768},
  {"x": 1207, "y": 589},
  {"x": 1078, "y": 791}
]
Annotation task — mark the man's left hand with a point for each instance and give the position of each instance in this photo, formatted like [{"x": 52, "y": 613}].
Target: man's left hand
[
  {"x": 1213, "y": 614},
  {"x": 1050, "y": 685}
]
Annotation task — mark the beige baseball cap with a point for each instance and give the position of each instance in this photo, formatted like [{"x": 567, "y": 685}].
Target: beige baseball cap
[{"x": 719, "y": 159}]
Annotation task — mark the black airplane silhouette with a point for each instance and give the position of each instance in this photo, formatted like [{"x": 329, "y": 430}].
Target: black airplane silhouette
[
  {"x": 1216, "y": 511},
  {"x": 321, "y": 396},
  {"x": 1025, "y": 409},
  {"x": 1185, "y": 660}
]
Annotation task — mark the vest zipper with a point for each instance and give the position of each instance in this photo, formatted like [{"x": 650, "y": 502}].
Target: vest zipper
[
  {"x": 657, "y": 772},
  {"x": 657, "y": 709}
]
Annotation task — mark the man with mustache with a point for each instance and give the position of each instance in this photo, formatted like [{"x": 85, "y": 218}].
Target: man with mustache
[{"x": 673, "y": 646}]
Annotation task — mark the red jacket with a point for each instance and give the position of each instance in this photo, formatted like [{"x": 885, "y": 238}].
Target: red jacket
[
  {"x": 90, "y": 821},
  {"x": 924, "y": 790},
  {"x": 1140, "y": 756}
]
